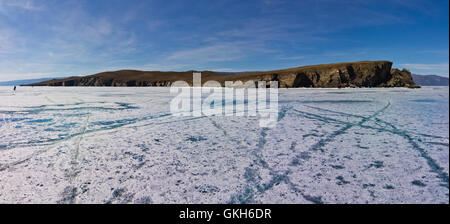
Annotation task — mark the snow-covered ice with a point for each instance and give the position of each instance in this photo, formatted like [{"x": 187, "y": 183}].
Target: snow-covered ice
[{"x": 121, "y": 145}]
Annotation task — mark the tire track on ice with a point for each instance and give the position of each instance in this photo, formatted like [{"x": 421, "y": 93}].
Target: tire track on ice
[
  {"x": 434, "y": 166},
  {"x": 323, "y": 142},
  {"x": 53, "y": 142},
  {"x": 255, "y": 187},
  {"x": 71, "y": 192},
  {"x": 377, "y": 119}
]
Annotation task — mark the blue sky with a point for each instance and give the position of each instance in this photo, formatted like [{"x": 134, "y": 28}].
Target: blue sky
[{"x": 49, "y": 38}]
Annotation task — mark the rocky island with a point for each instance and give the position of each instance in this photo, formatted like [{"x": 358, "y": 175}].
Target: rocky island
[{"x": 339, "y": 75}]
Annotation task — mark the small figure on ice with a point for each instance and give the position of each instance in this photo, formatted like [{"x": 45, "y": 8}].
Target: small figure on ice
[{"x": 14, "y": 90}]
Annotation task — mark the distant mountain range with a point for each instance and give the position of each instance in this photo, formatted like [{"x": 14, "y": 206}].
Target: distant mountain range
[
  {"x": 430, "y": 80},
  {"x": 23, "y": 82}
]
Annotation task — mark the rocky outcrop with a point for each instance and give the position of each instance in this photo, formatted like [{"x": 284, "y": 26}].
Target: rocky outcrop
[
  {"x": 355, "y": 74},
  {"x": 340, "y": 75},
  {"x": 400, "y": 78}
]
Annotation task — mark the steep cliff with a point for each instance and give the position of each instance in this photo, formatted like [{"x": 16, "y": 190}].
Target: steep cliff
[{"x": 354, "y": 74}]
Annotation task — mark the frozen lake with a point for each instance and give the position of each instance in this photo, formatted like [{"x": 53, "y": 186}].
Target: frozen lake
[{"x": 121, "y": 145}]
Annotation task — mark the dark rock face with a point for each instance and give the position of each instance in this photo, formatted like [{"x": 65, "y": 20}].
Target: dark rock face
[
  {"x": 400, "y": 78},
  {"x": 339, "y": 75},
  {"x": 356, "y": 74}
]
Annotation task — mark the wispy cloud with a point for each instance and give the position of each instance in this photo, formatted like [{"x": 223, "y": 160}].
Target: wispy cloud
[
  {"x": 437, "y": 69},
  {"x": 82, "y": 37},
  {"x": 10, "y": 42},
  {"x": 165, "y": 66},
  {"x": 6, "y": 42},
  {"x": 28, "y": 5},
  {"x": 76, "y": 37},
  {"x": 441, "y": 52},
  {"x": 289, "y": 58},
  {"x": 220, "y": 52},
  {"x": 198, "y": 57},
  {"x": 443, "y": 67},
  {"x": 70, "y": 42}
]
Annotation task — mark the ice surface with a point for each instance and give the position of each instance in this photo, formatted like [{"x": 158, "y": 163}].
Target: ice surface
[{"x": 121, "y": 145}]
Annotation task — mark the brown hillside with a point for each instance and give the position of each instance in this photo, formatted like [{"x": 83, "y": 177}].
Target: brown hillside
[{"x": 351, "y": 74}]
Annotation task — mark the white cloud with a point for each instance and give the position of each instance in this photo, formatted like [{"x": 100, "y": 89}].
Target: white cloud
[
  {"x": 5, "y": 42},
  {"x": 153, "y": 25},
  {"x": 165, "y": 67},
  {"x": 22, "y": 76},
  {"x": 295, "y": 58},
  {"x": 213, "y": 53},
  {"x": 75, "y": 43},
  {"x": 444, "y": 52},
  {"x": 226, "y": 70},
  {"x": 22, "y": 69},
  {"x": 437, "y": 69},
  {"x": 28, "y": 5},
  {"x": 443, "y": 67},
  {"x": 10, "y": 42},
  {"x": 79, "y": 37}
]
